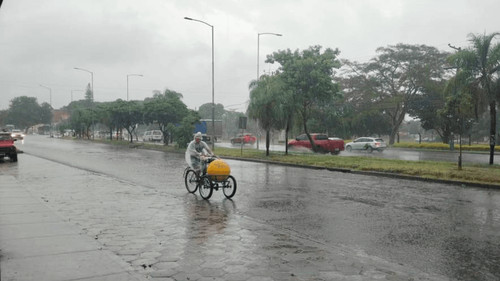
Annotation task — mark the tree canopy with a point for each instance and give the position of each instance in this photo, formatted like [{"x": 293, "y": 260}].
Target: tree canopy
[{"x": 308, "y": 76}]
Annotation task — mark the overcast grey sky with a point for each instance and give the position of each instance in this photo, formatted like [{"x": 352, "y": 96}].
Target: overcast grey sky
[{"x": 42, "y": 41}]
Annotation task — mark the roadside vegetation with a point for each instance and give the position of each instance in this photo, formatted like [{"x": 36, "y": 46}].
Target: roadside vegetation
[
  {"x": 474, "y": 174},
  {"x": 448, "y": 94}
]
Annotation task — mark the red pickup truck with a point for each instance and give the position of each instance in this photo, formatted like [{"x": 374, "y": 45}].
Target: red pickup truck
[
  {"x": 7, "y": 147},
  {"x": 325, "y": 144}
]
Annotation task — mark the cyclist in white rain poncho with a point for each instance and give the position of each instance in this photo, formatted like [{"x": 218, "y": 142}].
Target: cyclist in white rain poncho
[{"x": 196, "y": 153}]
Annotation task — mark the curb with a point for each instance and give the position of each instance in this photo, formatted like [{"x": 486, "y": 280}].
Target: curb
[{"x": 370, "y": 173}]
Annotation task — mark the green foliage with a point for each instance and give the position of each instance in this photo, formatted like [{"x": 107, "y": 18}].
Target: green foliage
[
  {"x": 389, "y": 81},
  {"x": 164, "y": 109},
  {"x": 205, "y": 111},
  {"x": 25, "y": 112},
  {"x": 478, "y": 74},
  {"x": 184, "y": 132},
  {"x": 81, "y": 120},
  {"x": 307, "y": 78}
]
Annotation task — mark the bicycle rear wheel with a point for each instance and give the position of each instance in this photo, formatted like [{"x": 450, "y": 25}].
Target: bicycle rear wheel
[
  {"x": 206, "y": 188},
  {"x": 229, "y": 187},
  {"x": 191, "y": 181}
]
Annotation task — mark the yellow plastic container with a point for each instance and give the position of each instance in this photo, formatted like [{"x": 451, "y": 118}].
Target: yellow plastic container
[{"x": 218, "y": 170}]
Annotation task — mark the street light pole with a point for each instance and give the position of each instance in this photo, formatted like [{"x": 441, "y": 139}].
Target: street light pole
[
  {"x": 50, "y": 95},
  {"x": 258, "y": 44},
  {"x": 127, "y": 80},
  {"x": 258, "y": 60},
  {"x": 92, "y": 89},
  {"x": 213, "y": 102},
  {"x": 91, "y": 80}
]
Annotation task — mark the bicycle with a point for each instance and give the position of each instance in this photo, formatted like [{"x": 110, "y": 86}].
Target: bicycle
[{"x": 215, "y": 176}]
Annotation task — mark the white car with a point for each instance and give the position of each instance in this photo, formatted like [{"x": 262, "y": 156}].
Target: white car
[
  {"x": 366, "y": 143},
  {"x": 154, "y": 135}
]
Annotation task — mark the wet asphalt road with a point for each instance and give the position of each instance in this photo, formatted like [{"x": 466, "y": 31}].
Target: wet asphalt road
[{"x": 449, "y": 232}]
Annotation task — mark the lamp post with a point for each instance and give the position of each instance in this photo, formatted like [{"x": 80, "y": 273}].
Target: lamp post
[
  {"x": 213, "y": 103},
  {"x": 92, "y": 89},
  {"x": 258, "y": 44},
  {"x": 91, "y": 80},
  {"x": 50, "y": 95},
  {"x": 258, "y": 60},
  {"x": 127, "y": 80}
]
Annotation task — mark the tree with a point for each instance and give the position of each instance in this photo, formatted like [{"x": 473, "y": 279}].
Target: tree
[
  {"x": 391, "y": 79},
  {"x": 166, "y": 110},
  {"x": 205, "y": 111},
  {"x": 265, "y": 105},
  {"x": 25, "y": 112},
  {"x": 81, "y": 120},
  {"x": 479, "y": 68},
  {"x": 184, "y": 132},
  {"x": 124, "y": 114},
  {"x": 307, "y": 76},
  {"x": 429, "y": 106}
]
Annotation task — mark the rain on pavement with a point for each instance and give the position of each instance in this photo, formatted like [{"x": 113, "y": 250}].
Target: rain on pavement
[{"x": 285, "y": 223}]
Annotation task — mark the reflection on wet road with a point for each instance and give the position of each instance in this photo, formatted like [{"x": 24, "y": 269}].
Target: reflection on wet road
[{"x": 439, "y": 229}]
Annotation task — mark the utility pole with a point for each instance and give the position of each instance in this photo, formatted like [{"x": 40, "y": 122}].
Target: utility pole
[{"x": 460, "y": 119}]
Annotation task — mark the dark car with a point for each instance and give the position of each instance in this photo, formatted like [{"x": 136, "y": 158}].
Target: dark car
[
  {"x": 7, "y": 147},
  {"x": 244, "y": 139}
]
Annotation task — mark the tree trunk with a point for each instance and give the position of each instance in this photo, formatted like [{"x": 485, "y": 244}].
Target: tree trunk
[
  {"x": 493, "y": 126},
  {"x": 287, "y": 128},
  {"x": 267, "y": 142}
]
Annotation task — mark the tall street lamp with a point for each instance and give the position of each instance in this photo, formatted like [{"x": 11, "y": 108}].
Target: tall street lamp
[
  {"x": 92, "y": 89},
  {"x": 50, "y": 93},
  {"x": 91, "y": 80},
  {"x": 213, "y": 103},
  {"x": 258, "y": 43},
  {"x": 127, "y": 80},
  {"x": 258, "y": 60}
]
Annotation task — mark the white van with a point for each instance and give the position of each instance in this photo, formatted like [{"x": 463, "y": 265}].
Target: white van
[{"x": 154, "y": 135}]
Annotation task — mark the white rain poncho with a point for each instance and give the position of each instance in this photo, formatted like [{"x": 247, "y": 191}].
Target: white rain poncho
[{"x": 193, "y": 153}]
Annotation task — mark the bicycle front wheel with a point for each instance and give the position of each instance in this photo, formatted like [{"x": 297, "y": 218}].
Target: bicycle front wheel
[
  {"x": 229, "y": 187},
  {"x": 206, "y": 188},
  {"x": 191, "y": 181}
]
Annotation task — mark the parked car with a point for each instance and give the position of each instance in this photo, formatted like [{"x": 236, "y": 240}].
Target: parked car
[
  {"x": 244, "y": 138},
  {"x": 154, "y": 135},
  {"x": 366, "y": 143},
  {"x": 7, "y": 148},
  {"x": 326, "y": 145},
  {"x": 17, "y": 134}
]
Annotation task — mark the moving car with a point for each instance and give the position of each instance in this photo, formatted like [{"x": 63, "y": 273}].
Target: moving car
[
  {"x": 366, "y": 143},
  {"x": 7, "y": 148},
  {"x": 17, "y": 134},
  {"x": 244, "y": 138},
  {"x": 326, "y": 145},
  {"x": 154, "y": 135}
]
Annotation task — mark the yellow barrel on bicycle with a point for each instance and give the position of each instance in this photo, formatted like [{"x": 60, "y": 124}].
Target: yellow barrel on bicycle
[{"x": 218, "y": 170}]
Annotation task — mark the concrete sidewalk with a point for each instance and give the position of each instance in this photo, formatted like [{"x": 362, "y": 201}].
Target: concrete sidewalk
[{"x": 37, "y": 244}]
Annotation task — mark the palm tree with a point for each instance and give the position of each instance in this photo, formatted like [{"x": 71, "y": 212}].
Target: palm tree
[
  {"x": 265, "y": 104},
  {"x": 479, "y": 67}
]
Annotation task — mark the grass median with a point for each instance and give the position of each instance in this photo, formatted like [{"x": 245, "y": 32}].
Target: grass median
[{"x": 470, "y": 173}]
